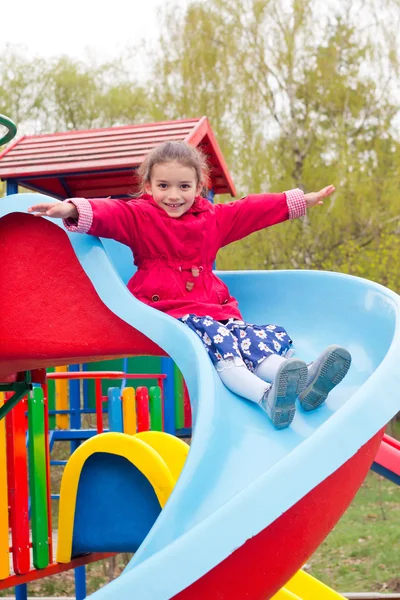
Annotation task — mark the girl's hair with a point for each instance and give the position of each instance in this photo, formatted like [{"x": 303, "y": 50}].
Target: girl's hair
[{"x": 174, "y": 151}]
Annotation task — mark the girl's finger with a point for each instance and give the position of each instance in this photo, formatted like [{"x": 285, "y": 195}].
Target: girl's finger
[
  {"x": 329, "y": 189},
  {"x": 38, "y": 208},
  {"x": 51, "y": 211}
]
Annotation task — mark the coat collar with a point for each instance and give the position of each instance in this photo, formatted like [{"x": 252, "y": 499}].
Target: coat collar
[{"x": 200, "y": 204}]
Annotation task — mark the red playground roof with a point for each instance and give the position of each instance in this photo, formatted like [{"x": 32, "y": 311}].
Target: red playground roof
[{"x": 101, "y": 162}]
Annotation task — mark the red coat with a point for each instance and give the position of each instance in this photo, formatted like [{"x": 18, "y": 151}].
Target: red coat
[{"x": 175, "y": 256}]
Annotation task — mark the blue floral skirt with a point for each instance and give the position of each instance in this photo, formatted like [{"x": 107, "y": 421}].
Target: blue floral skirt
[{"x": 240, "y": 341}]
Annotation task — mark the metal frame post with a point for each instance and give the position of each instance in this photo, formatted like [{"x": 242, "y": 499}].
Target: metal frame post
[
  {"x": 80, "y": 583},
  {"x": 21, "y": 592},
  {"x": 167, "y": 367},
  {"x": 11, "y": 187}
]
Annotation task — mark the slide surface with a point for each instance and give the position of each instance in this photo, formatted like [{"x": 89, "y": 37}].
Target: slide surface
[{"x": 252, "y": 503}]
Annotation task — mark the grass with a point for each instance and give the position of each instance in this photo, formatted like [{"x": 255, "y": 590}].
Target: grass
[{"x": 362, "y": 553}]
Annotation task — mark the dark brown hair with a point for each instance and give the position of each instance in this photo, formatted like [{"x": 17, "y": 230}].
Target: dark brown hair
[{"x": 174, "y": 151}]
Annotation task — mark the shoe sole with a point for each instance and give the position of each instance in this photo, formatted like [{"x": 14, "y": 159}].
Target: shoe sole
[
  {"x": 290, "y": 381},
  {"x": 332, "y": 370}
]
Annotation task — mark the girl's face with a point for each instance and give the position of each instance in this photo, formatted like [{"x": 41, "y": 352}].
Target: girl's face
[{"x": 174, "y": 187}]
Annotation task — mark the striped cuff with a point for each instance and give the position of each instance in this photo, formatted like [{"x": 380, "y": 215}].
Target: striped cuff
[
  {"x": 85, "y": 212},
  {"x": 296, "y": 203}
]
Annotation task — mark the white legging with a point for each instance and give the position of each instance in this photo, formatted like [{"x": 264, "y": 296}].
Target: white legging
[{"x": 243, "y": 382}]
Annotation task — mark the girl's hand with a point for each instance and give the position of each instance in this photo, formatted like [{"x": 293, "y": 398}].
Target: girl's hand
[
  {"x": 56, "y": 210},
  {"x": 315, "y": 198}
]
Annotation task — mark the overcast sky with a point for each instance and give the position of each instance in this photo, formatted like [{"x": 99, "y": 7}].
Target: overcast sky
[{"x": 53, "y": 27}]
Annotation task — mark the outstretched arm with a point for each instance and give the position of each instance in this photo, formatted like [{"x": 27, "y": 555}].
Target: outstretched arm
[
  {"x": 55, "y": 210},
  {"x": 242, "y": 217},
  {"x": 102, "y": 217}
]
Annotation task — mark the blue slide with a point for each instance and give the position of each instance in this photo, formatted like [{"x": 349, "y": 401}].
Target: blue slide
[{"x": 253, "y": 503}]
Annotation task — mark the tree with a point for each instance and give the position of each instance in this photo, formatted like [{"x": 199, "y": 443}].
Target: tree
[
  {"x": 298, "y": 98},
  {"x": 193, "y": 74},
  {"x": 64, "y": 93},
  {"x": 84, "y": 95},
  {"x": 22, "y": 85}
]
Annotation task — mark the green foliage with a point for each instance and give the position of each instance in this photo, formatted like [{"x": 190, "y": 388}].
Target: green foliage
[
  {"x": 298, "y": 99},
  {"x": 22, "y": 86},
  {"x": 83, "y": 96},
  {"x": 65, "y": 93}
]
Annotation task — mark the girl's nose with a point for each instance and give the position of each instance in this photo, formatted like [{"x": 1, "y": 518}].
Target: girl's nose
[{"x": 174, "y": 194}]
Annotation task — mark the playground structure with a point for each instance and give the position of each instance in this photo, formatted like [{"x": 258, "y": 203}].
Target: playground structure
[
  {"x": 128, "y": 411},
  {"x": 192, "y": 543},
  {"x": 8, "y": 130}
]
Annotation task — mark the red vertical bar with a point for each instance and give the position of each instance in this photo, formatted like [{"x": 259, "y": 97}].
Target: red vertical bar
[
  {"x": 45, "y": 389},
  {"x": 187, "y": 410},
  {"x": 99, "y": 406},
  {"x": 18, "y": 487},
  {"x": 48, "y": 481},
  {"x": 142, "y": 407}
]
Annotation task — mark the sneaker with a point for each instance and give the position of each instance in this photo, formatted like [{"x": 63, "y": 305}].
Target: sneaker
[
  {"x": 279, "y": 399},
  {"x": 324, "y": 374}
]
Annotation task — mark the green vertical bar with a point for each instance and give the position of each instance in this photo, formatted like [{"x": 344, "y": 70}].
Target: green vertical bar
[
  {"x": 37, "y": 479},
  {"x": 178, "y": 392},
  {"x": 51, "y": 400},
  {"x": 156, "y": 420}
]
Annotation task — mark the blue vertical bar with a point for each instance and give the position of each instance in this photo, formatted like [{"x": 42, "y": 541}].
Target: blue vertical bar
[
  {"x": 80, "y": 583},
  {"x": 75, "y": 398},
  {"x": 85, "y": 390},
  {"x": 167, "y": 367},
  {"x": 115, "y": 420},
  {"x": 125, "y": 370},
  {"x": 75, "y": 422},
  {"x": 21, "y": 592},
  {"x": 11, "y": 187},
  {"x": 74, "y": 404}
]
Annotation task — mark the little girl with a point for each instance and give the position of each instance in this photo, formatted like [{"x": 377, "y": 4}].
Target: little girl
[{"x": 175, "y": 234}]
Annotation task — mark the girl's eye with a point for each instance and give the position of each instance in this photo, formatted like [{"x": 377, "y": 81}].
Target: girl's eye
[
  {"x": 185, "y": 186},
  {"x": 163, "y": 186}
]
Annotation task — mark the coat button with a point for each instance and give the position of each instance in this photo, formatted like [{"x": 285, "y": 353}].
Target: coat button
[{"x": 155, "y": 298}]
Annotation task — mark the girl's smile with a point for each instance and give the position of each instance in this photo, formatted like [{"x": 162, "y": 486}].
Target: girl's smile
[{"x": 174, "y": 187}]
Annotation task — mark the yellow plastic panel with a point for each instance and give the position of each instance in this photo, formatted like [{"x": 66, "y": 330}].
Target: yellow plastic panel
[
  {"x": 171, "y": 449},
  {"x": 129, "y": 410},
  {"x": 284, "y": 594},
  {"x": 62, "y": 399},
  {"x": 308, "y": 588}
]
